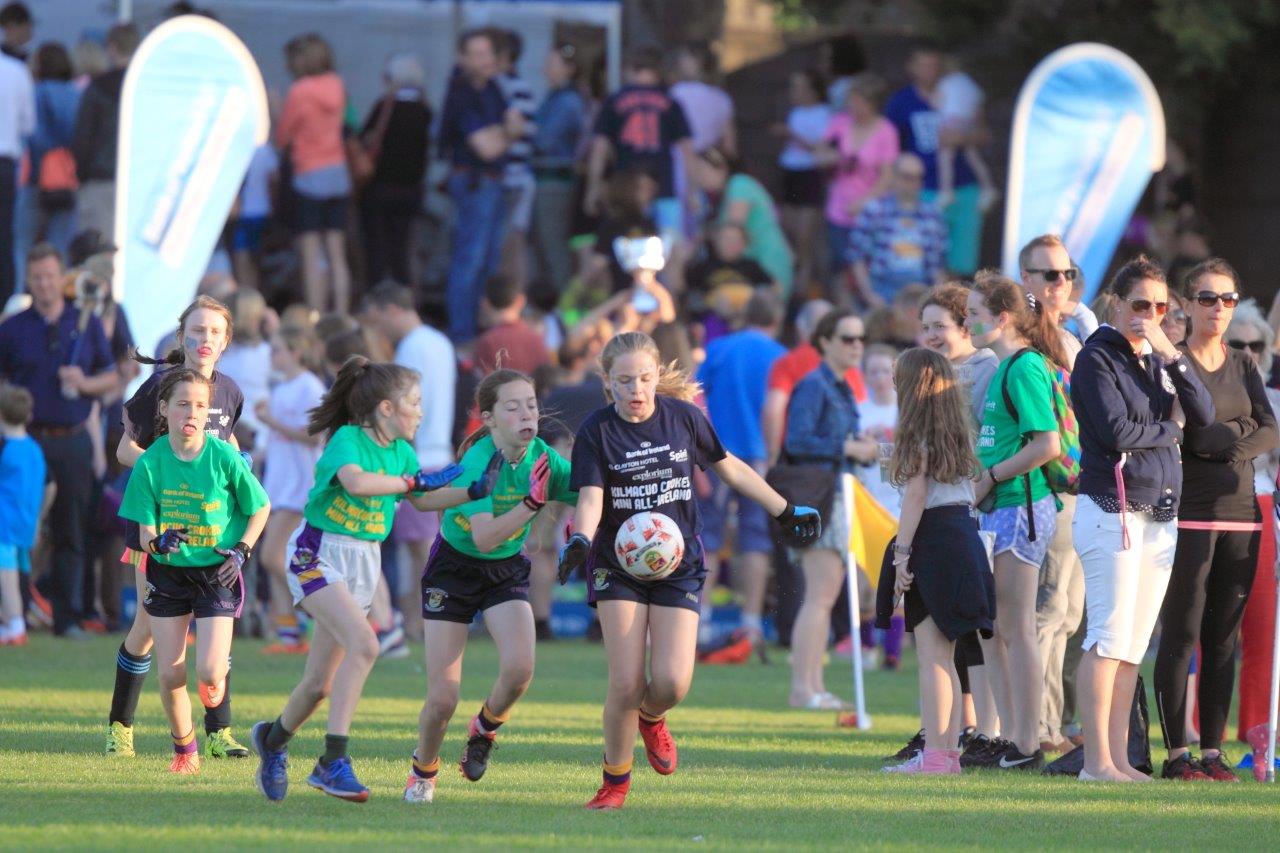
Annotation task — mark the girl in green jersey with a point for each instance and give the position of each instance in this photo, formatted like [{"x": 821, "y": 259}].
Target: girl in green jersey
[{"x": 476, "y": 565}]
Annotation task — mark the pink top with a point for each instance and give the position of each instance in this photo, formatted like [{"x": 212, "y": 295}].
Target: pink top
[
  {"x": 859, "y": 169},
  {"x": 311, "y": 122}
]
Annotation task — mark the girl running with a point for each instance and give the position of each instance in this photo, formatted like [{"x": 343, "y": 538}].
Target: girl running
[
  {"x": 650, "y": 433},
  {"x": 369, "y": 417},
  {"x": 292, "y": 454},
  {"x": 938, "y": 563},
  {"x": 476, "y": 565},
  {"x": 199, "y": 512},
  {"x": 204, "y": 331}
]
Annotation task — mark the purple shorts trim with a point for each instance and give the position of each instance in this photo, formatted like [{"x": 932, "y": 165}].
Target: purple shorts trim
[{"x": 305, "y": 564}]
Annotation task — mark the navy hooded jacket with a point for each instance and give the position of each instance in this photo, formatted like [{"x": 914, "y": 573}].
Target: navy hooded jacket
[{"x": 1123, "y": 404}]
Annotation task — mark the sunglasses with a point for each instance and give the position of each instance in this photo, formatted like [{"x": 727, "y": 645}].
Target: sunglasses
[
  {"x": 1142, "y": 306},
  {"x": 1052, "y": 275},
  {"x": 1206, "y": 298},
  {"x": 850, "y": 340},
  {"x": 1255, "y": 347}
]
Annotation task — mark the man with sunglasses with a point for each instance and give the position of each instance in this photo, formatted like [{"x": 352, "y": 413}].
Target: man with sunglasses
[
  {"x": 1049, "y": 275},
  {"x": 65, "y": 361}
]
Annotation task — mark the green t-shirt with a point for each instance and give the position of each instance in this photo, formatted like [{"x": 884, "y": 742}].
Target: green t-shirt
[
  {"x": 331, "y": 509},
  {"x": 212, "y": 496},
  {"x": 508, "y": 492},
  {"x": 1031, "y": 392},
  {"x": 766, "y": 244}
]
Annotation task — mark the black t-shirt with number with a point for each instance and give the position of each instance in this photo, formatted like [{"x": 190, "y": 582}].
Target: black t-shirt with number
[
  {"x": 644, "y": 123},
  {"x": 646, "y": 467}
]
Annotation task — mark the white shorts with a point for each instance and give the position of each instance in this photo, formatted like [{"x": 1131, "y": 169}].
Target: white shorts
[
  {"x": 1123, "y": 589},
  {"x": 320, "y": 558}
]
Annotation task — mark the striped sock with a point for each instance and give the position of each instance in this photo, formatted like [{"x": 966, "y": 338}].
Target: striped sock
[
  {"x": 287, "y": 629},
  {"x": 617, "y": 774},
  {"x": 425, "y": 771},
  {"x": 487, "y": 722},
  {"x": 185, "y": 743},
  {"x": 131, "y": 672},
  {"x": 647, "y": 719}
]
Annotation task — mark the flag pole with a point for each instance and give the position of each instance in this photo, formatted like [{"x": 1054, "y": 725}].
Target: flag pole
[{"x": 855, "y": 615}]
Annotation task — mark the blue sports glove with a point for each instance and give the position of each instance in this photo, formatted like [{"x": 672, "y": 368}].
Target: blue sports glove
[
  {"x": 483, "y": 487},
  {"x": 572, "y": 556},
  {"x": 801, "y": 525},
  {"x": 169, "y": 541},
  {"x": 429, "y": 481}
]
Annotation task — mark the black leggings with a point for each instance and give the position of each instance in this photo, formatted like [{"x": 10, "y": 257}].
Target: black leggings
[{"x": 1212, "y": 575}]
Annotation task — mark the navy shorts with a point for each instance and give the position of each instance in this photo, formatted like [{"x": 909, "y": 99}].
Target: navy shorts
[
  {"x": 180, "y": 590},
  {"x": 456, "y": 586},
  {"x": 754, "y": 535},
  {"x": 320, "y": 214},
  {"x": 606, "y": 583}
]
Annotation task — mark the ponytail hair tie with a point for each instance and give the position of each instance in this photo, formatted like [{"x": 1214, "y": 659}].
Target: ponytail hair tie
[{"x": 1032, "y": 302}]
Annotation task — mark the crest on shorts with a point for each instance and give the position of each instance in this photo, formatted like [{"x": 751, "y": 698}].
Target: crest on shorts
[
  {"x": 302, "y": 557},
  {"x": 601, "y": 578},
  {"x": 433, "y": 599},
  {"x": 150, "y": 589}
]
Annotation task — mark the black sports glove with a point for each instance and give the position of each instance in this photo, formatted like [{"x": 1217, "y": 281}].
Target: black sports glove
[
  {"x": 802, "y": 525},
  {"x": 483, "y": 487},
  {"x": 169, "y": 541},
  {"x": 572, "y": 556},
  {"x": 236, "y": 557}
]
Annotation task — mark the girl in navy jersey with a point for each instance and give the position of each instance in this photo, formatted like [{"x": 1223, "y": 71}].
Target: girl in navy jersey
[
  {"x": 204, "y": 331},
  {"x": 650, "y": 433}
]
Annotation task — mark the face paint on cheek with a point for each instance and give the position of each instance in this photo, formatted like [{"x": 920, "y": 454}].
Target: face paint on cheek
[
  {"x": 977, "y": 328},
  {"x": 191, "y": 344}
]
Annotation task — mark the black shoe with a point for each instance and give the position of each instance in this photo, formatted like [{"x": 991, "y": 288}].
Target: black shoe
[
  {"x": 910, "y": 751},
  {"x": 984, "y": 752},
  {"x": 1184, "y": 768},
  {"x": 542, "y": 630},
  {"x": 475, "y": 758},
  {"x": 966, "y": 737},
  {"x": 1012, "y": 759}
]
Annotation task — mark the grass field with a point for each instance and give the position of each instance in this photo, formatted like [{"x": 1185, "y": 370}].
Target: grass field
[{"x": 752, "y": 773}]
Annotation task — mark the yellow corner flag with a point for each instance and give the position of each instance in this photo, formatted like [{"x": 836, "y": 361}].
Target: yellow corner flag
[{"x": 871, "y": 527}]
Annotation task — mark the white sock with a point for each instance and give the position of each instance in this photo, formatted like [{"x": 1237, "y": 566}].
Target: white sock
[
  {"x": 753, "y": 623},
  {"x": 17, "y": 627}
]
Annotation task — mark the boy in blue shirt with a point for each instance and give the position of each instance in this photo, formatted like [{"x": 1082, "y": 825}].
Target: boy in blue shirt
[{"x": 22, "y": 488}]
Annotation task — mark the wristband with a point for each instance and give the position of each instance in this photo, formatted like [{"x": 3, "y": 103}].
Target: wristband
[
  {"x": 151, "y": 546},
  {"x": 245, "y": 550},
  {"x": 991, "y": 472},
  {"x": 529, "y": 502},
  {"x": 408, "y": 483},
  {"x": 901, "y": 549}
]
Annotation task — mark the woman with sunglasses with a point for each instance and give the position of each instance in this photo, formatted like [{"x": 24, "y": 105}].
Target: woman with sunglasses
[
  {"x": 1219, "y": 528},
  {"x": 823, "y": 430},
  {"x": 1134, "y": 394}
]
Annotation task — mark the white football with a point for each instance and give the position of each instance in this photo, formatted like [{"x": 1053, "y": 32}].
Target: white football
[{"x": 649, "y": 545}]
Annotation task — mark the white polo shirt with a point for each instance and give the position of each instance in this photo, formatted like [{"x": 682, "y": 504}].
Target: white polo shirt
[{"x": 17, "y": 107}]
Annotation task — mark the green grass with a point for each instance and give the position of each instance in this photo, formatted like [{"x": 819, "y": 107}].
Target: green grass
[{"x": 752, "y": 772}]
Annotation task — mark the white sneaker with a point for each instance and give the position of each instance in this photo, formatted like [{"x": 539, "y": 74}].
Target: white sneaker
[
  {"x": 419, "y": 790},
  {"x": 914, "y": 764}
]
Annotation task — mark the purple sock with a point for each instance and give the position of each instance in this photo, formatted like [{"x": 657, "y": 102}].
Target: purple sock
[
  {"x": 893, "y": 637},
  {"x": 868, "y": 635}
]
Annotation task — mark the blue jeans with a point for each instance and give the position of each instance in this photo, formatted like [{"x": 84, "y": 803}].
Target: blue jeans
[
  {"x": 30, "y": 221},
  {"x": 476, "y": 246}
]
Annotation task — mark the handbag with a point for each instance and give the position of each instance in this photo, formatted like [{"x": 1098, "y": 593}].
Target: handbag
[
  {"x": 805, "y": 485},
  {"x": 57, "y": 182},
  {"x": 362, "y": 156}
]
